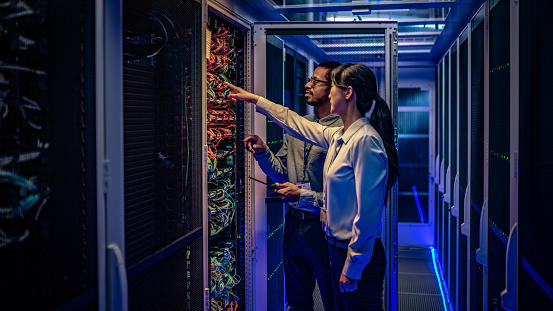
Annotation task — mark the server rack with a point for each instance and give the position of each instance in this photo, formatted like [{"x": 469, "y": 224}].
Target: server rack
[
  {"x": 102, "y": 178},
  {"x": 529, "y": 280},
  {"x": 437, "y": 174},
  {"x": 48, "y": 156},
  {"x": 499, "y": 150},
  {"x": 228, "y": 40},
  {"x": 162, "y": 115},
  {"x": 452, "y": 180},
  {"x": 477, "y": 155},
  {"x": 103, "y": 106},
  {"x": 445, "y": 182},
  {"x": 186, "y": 194},
  {"x": 490, "y": 161},
  {"x": 462, "y": 189}
]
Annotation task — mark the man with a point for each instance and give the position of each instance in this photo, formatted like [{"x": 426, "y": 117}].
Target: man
[{"x": 298, "y": 170}]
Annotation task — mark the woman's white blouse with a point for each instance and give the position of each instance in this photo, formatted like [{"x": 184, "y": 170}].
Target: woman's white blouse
[{"x": 354, "y": 183}]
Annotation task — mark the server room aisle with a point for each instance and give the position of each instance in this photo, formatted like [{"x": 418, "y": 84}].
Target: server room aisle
[{"x": 418, "y": 288}]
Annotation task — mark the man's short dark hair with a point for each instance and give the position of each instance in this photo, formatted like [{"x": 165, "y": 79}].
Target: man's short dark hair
[{"x": 329, "y": 64}]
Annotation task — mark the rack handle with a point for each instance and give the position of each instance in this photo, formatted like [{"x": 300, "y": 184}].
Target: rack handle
[
  {"x": 437, "y": 170},
  {"x": 117, "y": 279},
  {"x": 455, "y": 207},
  {"x": 442, "y": 169},
  {"x": 509, "y": 294},
  {"x": 482, "y": 252},
  {"x": 465, "y": 227},
  {"x": 447, "y": 185}
]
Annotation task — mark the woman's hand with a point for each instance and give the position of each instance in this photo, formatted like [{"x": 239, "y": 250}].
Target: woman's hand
[
  {"x": 347, "y": 284},
  {"x": 238, "y": 93}
]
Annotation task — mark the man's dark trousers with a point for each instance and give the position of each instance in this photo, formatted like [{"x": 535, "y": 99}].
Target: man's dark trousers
[{"x": 306, "y": 258}]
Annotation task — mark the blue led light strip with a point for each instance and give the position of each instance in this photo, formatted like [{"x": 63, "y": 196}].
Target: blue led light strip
[
  {"x": 418, "y": 203},
  {"x": 537, "y": 278},
  {"x": 445, "y": 296}
]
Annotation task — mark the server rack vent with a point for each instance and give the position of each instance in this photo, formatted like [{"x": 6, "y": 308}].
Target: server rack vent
[
  {"x": 499, "y": 148},
  {"x": 446, "y": 116},
  {"x": 47, "y": 155},
  {"x": 439, "y": 111},
  {"x": 454, "y": 230},
  {"x": 438, "y": 145},
  {"x": 476, "y": 156},
  {"x": 536, "y": 150},
  {"x": 162, "y": 112},
  {"x": 477, "y": 116},
  {"x": 226, "y": 165},
  {"x": 454, "y": 104},
  {"x": 463, "y": 117},
  {"x": 499, "y": 116},
  {"x": 446, "y": 136},
  {"x": 171, "y": 284},
  {"x": 463, "y": 167}
]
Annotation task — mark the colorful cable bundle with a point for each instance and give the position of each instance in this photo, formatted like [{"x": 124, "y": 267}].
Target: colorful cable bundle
[{"x": 223, "y": 278}]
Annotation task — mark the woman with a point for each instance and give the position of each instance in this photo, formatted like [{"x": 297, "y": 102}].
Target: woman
[{"x": 360, "y": 167}]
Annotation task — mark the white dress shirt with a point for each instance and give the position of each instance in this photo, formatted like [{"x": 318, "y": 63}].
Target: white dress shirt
[{"x": 354, "y": 182}]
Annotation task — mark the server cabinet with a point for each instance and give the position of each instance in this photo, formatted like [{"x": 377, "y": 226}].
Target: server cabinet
[
  {"x": 491, "y": 124},
  {"x": 105, "y": 153},
  {"x": 434, "y": 151},
  {"x": 445, "y": 169},
  {"x": 49, "y": 126},
  {"x": 387, "y": 72},
  {"x": 438, "y": 144},
  {"x": 476, "y": 155},
  {"x": 227, "y": 123},
  {"x": 531, "y": 280},
  {"x": 499, "y": 150},
  {"x": 452, "y": 178},
  {"x": 162, "y": 148},
  {"x": 185, "y": 239},
  {"x": 462, "y": 189}
]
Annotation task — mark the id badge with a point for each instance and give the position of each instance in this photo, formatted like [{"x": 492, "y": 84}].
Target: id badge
[
  {"x": 323, "y": 210},
  {"x": 304, "y": 185}
]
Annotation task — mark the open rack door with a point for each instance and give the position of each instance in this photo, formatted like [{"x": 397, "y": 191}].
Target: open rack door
[{"x": 310, "y": 41}]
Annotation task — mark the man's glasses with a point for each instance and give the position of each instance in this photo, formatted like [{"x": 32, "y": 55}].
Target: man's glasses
[{"x": 314, "y": 81}]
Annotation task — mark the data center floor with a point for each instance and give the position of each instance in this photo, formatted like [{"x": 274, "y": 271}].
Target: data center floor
[{"x": 418, "y": 288}]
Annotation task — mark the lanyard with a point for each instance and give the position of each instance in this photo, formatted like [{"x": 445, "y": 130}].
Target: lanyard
[
  {"x": 307, "y": 150},
  {"x": 305, "y": 158}
]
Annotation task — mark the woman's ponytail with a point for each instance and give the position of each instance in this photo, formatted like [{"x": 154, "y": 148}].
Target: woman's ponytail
[{"x": 381, "y": 120}]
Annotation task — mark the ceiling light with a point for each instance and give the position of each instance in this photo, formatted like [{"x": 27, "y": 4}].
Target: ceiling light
[{"x": 361, "y": 10}]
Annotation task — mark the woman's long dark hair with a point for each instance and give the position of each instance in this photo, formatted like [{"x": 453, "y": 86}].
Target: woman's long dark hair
[{"x": 363, "y": 81}]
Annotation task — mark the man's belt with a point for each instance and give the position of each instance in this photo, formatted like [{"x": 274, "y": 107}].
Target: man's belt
[{"x": 304, "y": 215}]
